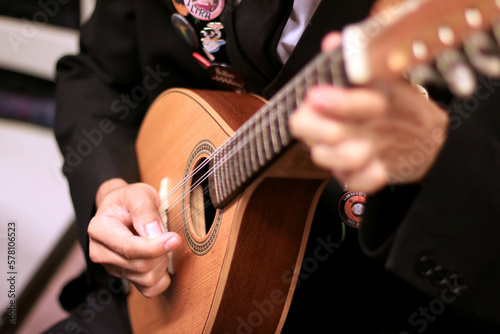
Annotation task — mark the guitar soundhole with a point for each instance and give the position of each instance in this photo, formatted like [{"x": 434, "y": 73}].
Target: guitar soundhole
[{"x": 202, "y": 210}]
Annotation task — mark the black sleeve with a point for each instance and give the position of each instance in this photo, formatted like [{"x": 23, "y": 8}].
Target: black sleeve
[
  {"x": 442, "y": 235},
  {"x": 96, "y": 123}
]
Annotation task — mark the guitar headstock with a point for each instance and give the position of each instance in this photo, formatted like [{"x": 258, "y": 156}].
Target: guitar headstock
[{"x": 426, "y": 40}]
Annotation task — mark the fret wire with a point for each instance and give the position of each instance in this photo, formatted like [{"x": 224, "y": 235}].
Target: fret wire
[
  {"x": 224, "y": 168},
  {"x": 259, "y": 146},
  {"x": 290, "y": 104},
  {"x": 233, "y": 179},
  {"x": 337, "y": 68},
  {"x": 224, "y": 174},
  {"x": 274, "y": 129},
  {"x": 236, "y": 164},
  {"x": 253, "y": 153},
  {"x": 322, "y": 69},
  {"x": 248, "y": 159},
  {"x": 298, "y": 92},
  {"x": 241, "y": 162},
  {"x": 332, "y": 67},
  {"x": 283, "y": 124},
  {"x": 319, "y": 72},
  {"x": 309, "y": 79},
  {"x": 265, "y": 135},
  {"x": 218, "y": 172},
  {"x": 215, "y": 184}
]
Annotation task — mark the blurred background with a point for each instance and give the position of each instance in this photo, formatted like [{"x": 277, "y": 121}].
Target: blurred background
[{"x": 34, "y": 195}]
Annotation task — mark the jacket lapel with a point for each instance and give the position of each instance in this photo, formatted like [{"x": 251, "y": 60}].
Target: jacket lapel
[
  {"x": 331, "y": 15},
  {"x": 253, "y": 29}
]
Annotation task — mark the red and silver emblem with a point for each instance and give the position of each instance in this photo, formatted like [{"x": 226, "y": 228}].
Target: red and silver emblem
[{"x": 351, "y": 208}]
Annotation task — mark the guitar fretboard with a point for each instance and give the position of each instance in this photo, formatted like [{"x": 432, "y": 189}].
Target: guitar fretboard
[{"x": 266, "y": 135}]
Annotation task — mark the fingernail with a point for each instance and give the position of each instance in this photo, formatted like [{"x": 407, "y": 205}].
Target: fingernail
[
  {"x": 172, "y": 243},
  {"x": 153, "y": 229}
]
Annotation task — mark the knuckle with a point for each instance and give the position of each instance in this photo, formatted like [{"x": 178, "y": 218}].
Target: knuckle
[
  {"x": 354, "y": 161},
  {"x": 141, "y": 197},
  {"x": 142, "y": 266},
  {"x": 149, "y": 280},
  {"x": 127, "y": 252},
  {"x": 146, "y": 191},
  {"x": 317, "y": 156},
  {"x": 116, "y": 272},
  {"x": 332, "y": 135},
  {"x": 91, "y": 228},
  {"x": 161, "y": 285},
  {"x": 93, "y": 254}
]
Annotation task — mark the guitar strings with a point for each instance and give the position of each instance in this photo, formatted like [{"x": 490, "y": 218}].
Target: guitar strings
[
  {"x": 188, "y": 177},
  {"x": 231, "y": 153},
  {"x": 254, "y": 132},
  {"x": 238, "y": 147},
  {"x": 283, "y": 95},
  {"x": 319, "y": 63}
]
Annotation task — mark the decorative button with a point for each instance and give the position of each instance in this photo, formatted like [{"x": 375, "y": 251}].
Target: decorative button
[
  {"x": 440, "y": 275},
  {"x": 205, "y": 10},
  {"x": 185, "y": 30},
  {"x": 351, "y": 207},
  {"x": 456, "y": 283},
  {"x": 425, "y": 266}
]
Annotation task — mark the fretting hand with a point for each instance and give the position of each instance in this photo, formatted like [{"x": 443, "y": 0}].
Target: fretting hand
[{"x": 370, "y": 136}]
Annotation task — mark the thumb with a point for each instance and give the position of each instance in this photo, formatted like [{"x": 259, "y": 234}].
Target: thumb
[{"x": 142, "y": 201}]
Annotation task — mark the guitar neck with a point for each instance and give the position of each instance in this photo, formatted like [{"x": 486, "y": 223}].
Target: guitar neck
[
  {"x": 398, "y": 42},
  {"x": 265, "y": 136}
]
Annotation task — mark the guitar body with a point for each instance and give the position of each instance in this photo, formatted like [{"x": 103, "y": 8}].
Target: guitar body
[
  {"x": 236, "y": 270},
  {"x": 238, "y": 265}
]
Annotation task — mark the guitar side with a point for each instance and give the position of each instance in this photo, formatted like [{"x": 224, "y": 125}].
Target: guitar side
[{"x": 243, "y": 274}]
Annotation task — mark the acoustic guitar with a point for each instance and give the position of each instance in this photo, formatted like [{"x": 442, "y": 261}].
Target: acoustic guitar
[{"x": 241, "y": 191}]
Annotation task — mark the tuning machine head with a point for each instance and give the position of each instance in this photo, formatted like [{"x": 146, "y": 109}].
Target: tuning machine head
[
  {"x": 456, "y": 72},
  {"x": 483, "y": 53}
]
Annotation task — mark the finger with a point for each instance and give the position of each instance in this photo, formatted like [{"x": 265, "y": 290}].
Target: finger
[
  {"x": 312, "y": 127},
  {"x": 140, "y": 248},
  {"x": 127, "y": 203},
  {"x": 356, "y": 104},
  {"x": 153, "y": 291},
  {"x": 331, "y": 41},
  {"x": 99, "y": 253},
  {"x": 119, "y": 239},
  {"x": 147, "y": 274},
  {"x": 370, "y": 179},
  {"x": 142, "y": 203},
  {"x": 347, "y": 156},
  {"x": 150, "y": 278}
]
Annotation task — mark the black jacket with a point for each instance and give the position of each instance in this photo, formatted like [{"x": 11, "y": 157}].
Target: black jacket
[{"x": 439, "y": 236}]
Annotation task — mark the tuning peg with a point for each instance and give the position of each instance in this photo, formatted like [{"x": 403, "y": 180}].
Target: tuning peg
[
  {"x": 456, "y": 72},
  {"x": 483, "y": 53},
  {"x": 426, "y": 75}
]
